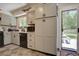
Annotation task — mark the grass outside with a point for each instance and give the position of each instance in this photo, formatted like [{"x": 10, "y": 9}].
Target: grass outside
[
  {"x": 72, "y": 36},
  {"x": 71, "y": 33}
]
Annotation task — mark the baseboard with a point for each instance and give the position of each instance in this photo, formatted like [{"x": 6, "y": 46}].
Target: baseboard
[
  {"x": 43, "y": 52},
  {"x": 8, "y": 44},
  {"x": 16, "y": 44}
]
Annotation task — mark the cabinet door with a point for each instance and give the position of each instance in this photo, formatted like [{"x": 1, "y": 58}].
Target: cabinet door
[
  {"x": 50, "y": 9},
  {"x": 49, "y": 26},
  {"x": 7, "y": 38},
  {"x": 50, "y": 44},
  {"x": 17, "y": 41},
  {"x": 39, "y": 27},
  {"x": 5, "y": 20},
  {"x": 39, "y": 43},
  {"x": 13, "y": 21},
  {"x": 15, "y": 38},
  {"x": 39, "y": 10},
  {"x": 31, "y": 17}
]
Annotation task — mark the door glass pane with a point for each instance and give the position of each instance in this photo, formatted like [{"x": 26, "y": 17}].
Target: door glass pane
[{"x": 69, "y": 33}]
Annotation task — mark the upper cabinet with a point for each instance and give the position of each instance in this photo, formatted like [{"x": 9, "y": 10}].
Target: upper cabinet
[
  {"x": 8, "y": 20},
  {"x": 50, "y": 9},
  {"x": 31, "y": 17},
  {"x": 39, "y": 10},
  {"x": 5, "y": 20},
  {"x": 45, "y": 10},
  {"x": 13, "y": 21}
]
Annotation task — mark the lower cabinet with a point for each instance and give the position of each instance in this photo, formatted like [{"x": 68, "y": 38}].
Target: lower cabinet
[
  {"x": 45, "y": 44},
  {"x": 31, "y": 40},
  {"x": 23, "y": 40},
  {"x": 49, "y": 44},
  {"x": 15, "y": 38},
  {"x": 39, "y": 43},
  {"x": 7, "y": 37}
]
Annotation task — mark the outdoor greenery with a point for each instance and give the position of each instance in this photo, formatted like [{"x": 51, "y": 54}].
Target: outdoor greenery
[
  {"x": 70, "y": 19},
  {"x": 70, "y": 23}
]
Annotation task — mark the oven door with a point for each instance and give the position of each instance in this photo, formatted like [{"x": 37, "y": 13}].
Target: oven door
[{"x": 30, "y": 29}]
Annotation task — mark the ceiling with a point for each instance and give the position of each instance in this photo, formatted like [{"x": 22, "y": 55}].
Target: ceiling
[{"x": 11, "y": 6}]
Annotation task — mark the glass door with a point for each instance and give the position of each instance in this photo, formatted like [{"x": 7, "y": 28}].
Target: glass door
[{"x": 69, "y": 30}]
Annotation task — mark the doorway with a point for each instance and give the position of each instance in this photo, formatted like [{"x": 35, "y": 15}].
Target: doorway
[{"x": 69, "y": 30}]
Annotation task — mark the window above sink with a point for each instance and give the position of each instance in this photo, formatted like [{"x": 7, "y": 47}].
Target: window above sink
[{"x": 22, "y": 21}]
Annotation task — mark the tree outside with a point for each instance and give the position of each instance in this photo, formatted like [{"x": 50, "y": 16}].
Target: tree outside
[{"x": 70, "y": 23}]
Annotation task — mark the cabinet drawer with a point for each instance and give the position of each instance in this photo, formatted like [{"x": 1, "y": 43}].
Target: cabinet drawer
[
  {"x": 31, "y": 37},
  {"x": 30, "y": 41},
  {"x": 31, "y": 45}
]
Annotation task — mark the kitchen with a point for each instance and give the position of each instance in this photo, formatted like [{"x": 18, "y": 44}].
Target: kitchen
[{"x": 30, "y": 26}]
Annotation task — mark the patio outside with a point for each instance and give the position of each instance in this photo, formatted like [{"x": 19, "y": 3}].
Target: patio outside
[{"x": 69, "y": 34}]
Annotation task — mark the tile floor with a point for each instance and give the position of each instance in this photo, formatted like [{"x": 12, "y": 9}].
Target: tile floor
[{"x": 13, "y": 50}]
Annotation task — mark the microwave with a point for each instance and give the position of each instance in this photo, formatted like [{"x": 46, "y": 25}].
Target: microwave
[{"x": 31, "y": 28}]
